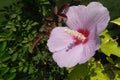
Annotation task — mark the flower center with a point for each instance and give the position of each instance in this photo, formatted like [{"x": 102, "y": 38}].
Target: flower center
[{"x": 80, "y": 36}]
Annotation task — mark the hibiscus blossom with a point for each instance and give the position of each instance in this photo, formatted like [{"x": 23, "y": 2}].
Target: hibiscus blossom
[{"x": 77, "y": 42}]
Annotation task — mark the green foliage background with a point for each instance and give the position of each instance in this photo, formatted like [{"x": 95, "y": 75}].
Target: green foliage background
[{"x": 25, "y": 26}]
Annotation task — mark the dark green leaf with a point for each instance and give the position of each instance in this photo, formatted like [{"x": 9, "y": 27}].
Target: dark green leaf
[
  {"x": 5, "y": 57},
  {"x": 79, "y": 72},
  {"x": 11, "y": 76},
  {"x": 14, "y": 57},
  {"x": 4, "y": 71},
  {"x": 3, "y": 46}
]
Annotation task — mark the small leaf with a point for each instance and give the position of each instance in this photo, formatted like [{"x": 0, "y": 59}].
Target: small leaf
[
  {"x": 116, "y": 21},
  {"x": 34, "y": 24},
  {"x": 110, "y": 60},
  {"x": 13, "y": 15},
  {"x": 30, "y": 49},
  {"x": 3, "y": 46},
  {"x": 99, "y": 73},
  {"x": 117, "y": 63},
  {"x": 14, "y": 57},
  {"x": 12, "y": 70},
  {"x": 4, "y": 71},
  {"x": 20, "y": 68},
  {"x": 31, "y": 70},
  {"x": 25, "y": 69},
  {"x": 2, "y": 53},
  {"x": 11, "y": 76},
  {"x": 5, "y": 57}
]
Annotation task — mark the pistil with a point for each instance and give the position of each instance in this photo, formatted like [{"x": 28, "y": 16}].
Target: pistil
[{"x": 77, "y": 34}]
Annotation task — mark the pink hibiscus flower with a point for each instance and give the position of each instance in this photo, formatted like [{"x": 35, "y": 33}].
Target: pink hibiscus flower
[{"x": 78, "y": 41}]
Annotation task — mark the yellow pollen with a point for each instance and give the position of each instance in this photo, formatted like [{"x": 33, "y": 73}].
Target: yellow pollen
[{"x": 80, "y": 36}]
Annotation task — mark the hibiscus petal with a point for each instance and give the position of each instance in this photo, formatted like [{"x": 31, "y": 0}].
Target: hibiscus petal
[
  {"x": 75, "y": 18},
  {"x": 88, "y": 51},
  {"x": 93, "y": 36},
  {"x": 90, "y": 47},
  {"x": 86, "y": 17},
  {"x": 68, "y": 58},
  {"x": 59, "y": 39},
  {"x": 98, "y": 15}
]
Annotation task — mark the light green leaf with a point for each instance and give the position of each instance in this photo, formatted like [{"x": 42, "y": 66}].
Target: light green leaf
[
  {"x": 117, "y": 76},
  {"x": 116, "y": 21},
  {"x": 108, "y": 45},
  {"x": 97, "y": 72}
]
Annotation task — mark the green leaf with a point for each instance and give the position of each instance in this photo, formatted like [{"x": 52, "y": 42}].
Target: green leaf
[
  {"x": 25, "y": 69},
  {"x": 34, "y": 23},
  {"x": 117, "y": 63},
  {"x": 11, "y": 76},
  {"x": 108, "y": 45},
  {"x": 5, "y": 57},
  {"x": 14, "y": 57},
  {"x": 20, "y": 68},
  {"x": 79, "y": 72},
  {"x": 117, "y": 75},
  {"x": 116, "y": 21},
  {"x": 4, "y": 71},
  {"x": 3, "y": 65},
  {"x": 2, "y": 53},
  {"x": 31, "y": 70},
  {"x": 3, "y": 46},
  {"x": 30, "y": 49},
  {"x": 13, "y": 70},
  {"x": 97, "y": 72},
  {"x": 4, "y": 3},
  {"x": 110, "y": 60}
]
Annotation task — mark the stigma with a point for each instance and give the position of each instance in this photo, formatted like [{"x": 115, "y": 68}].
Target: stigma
[{"x": 76, "y": 34}]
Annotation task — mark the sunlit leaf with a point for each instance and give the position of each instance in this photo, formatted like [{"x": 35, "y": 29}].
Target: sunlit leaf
[
  {"x": 108, "y": 45},
  {"x": 116, "y": 21},
  {"x": 117, "y": 74},
  {"x": 97, "y": 72}
]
